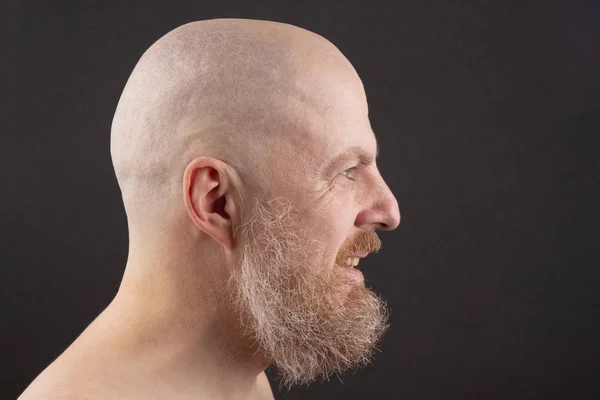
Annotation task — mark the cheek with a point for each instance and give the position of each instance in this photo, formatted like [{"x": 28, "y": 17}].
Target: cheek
[
  {"x": 336, "y": 235},
  {"x": 331, "y": 222},
  {"x": 346, "y": 195},
  {"x": 328, "y": 223}
]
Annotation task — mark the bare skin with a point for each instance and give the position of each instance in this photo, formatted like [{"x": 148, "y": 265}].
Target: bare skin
[{"x": 215, "y": 113}]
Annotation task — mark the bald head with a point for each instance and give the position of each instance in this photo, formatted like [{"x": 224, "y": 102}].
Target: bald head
[{"x": 236, "y": 90}]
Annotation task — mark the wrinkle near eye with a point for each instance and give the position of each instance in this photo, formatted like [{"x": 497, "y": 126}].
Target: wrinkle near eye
[{"x": 324, "y": 205}]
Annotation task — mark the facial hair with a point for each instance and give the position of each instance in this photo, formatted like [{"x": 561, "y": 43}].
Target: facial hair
[{"x": 310, "y": 321}]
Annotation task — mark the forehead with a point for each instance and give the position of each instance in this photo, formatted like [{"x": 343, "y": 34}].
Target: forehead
[
  {"x": 331, "y": 118},
  {"x": 322, "y": 113}
]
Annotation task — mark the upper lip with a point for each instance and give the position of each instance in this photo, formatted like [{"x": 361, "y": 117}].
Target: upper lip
[{"x": 359, "y": 255}]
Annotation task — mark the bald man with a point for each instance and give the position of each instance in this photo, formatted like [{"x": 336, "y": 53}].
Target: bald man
[{"x": 246, "y": 162}]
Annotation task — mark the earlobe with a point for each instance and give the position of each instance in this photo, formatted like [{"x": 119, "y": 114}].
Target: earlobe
[{"x": 208, "y": 199}]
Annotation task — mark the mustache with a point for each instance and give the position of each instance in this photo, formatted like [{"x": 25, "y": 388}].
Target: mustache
[{"x": 365, "y": 242}]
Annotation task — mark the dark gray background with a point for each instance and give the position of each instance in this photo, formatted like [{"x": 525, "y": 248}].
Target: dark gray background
[{"x": 487, "y": 114}]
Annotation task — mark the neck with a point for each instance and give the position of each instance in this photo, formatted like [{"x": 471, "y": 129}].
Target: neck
[{"x": 178, "y": 320}]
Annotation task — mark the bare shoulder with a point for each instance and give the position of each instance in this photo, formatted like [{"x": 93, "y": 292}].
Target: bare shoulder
[
  {"x": 50, "y": 396},
  {"x": 43, "y": 388},
  {"x": 264, "y": 387},
  {"x": 57, "y": 382},
  {"x": 37, "y": 391}
]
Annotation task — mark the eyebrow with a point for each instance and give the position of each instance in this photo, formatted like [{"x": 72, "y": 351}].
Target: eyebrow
[{"x": 356, "y": 153}]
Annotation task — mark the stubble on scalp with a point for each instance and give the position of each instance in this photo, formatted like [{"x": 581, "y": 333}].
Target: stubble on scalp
[{"x": 309, "y": 323}]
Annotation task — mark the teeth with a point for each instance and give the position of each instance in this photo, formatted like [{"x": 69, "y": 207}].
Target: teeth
[{"x": 352, "y": 261}]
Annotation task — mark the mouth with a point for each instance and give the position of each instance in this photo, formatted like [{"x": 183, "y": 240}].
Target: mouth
[
  {"x": 352, "y": 260},
  {"x": 349, "y": 266}
]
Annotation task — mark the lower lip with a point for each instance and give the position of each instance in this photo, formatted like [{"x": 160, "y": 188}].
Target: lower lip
[{"x": 354, "y": 273}]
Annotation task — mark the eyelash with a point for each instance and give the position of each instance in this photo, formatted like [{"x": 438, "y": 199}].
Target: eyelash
[{"x": 349, "y": 169}]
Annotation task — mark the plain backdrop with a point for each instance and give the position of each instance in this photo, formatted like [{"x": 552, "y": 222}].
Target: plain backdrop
[{"x": 487, "y": 115}]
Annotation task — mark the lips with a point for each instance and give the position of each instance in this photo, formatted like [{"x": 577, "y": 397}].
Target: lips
[{"x": 355, "y": 274}]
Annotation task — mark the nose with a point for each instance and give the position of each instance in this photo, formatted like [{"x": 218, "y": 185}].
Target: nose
[{"x": 382, "y": 212}]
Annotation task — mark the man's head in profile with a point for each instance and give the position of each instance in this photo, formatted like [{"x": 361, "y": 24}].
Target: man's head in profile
[{"x": 246, "y": 163}]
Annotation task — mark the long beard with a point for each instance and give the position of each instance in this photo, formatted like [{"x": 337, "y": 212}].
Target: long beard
[{"x": 308, "y": 322}]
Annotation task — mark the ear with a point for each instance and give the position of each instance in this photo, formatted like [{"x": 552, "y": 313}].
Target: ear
[{"x": 207, "y": 193}]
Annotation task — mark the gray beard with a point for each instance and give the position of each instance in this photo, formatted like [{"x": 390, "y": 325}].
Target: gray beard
[{"x": 308, "y": 324}]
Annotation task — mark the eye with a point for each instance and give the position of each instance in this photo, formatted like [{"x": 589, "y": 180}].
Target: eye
[{"x": 346, "y": 173}]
